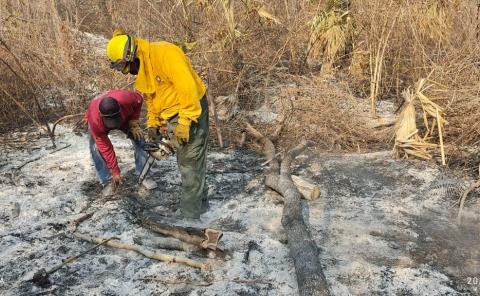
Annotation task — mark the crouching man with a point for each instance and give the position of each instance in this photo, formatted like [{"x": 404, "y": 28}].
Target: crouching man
[{"x": 115, "y": 110}]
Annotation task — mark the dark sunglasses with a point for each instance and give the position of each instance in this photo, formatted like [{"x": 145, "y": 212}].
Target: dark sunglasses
[{"x": 119, "y": 64}]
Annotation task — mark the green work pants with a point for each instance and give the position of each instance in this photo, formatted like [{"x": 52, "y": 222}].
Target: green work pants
[{"x": 192, "y": 163}]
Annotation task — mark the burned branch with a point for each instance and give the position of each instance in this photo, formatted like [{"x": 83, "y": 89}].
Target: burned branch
[{"x": 303, "y": 250}]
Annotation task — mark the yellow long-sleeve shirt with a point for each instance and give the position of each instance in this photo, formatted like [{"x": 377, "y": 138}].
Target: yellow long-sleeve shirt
[{"x": 170, "y": 84}]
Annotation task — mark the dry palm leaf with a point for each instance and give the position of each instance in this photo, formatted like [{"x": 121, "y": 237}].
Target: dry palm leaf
[
  {"x": 408, "y": 141},
  {"x": 263, "y": 12}
]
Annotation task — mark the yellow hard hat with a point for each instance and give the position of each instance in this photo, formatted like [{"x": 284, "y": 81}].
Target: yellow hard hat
[{"x": 116, "y": 47}]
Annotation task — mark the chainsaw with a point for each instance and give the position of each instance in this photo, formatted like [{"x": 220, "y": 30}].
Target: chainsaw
[{"x": 158, "y": 150}]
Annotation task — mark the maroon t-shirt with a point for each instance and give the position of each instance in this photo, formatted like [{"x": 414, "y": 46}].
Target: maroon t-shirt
[{"x": 130, "y": 106}]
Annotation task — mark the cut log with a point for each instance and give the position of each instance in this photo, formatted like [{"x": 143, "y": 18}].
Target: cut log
[
  {"x": 169, "y": 243},
  {"x": 303, "y": 250},
  {"x": 205, "y": 238},
  {"x": 308, "y": 190}
]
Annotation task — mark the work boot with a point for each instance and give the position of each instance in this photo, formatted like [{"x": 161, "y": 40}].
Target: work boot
[
  {"x": 149, "y": 184},
  {"x": 108, "y": 190},
  {"x": 185, "y": 220}
]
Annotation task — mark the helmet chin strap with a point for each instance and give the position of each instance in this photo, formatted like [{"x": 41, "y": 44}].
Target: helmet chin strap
[
  {"x": 130, "y": 49},
  {"x": 126, "y": 69}
]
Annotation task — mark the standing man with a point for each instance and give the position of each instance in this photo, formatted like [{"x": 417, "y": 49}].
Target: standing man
[
  {"x": 115, "y": 110},
  {"x": 175, "y": 98}
]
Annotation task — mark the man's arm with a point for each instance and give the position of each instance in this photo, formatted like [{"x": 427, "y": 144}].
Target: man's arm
[
  {"x": 153, "y": 119},
  {"x": 180, "y": 75},
  {"x": 105, "y": 148}
]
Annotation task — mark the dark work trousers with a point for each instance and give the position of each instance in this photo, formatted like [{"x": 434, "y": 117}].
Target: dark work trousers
[{"x": 192, "y": 163}]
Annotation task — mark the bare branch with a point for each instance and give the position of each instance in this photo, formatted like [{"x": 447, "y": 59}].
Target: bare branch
[{"x": 145, "y": 252}]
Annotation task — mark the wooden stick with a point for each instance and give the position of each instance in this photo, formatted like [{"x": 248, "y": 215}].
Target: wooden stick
[
  {"x": 242, "y": 139},
  {"x": 17, "y": 169},
  {"x": 268, "y": 147},
  {"x": 41, "y": 277},
  {"x": 253, "y": 281},
  {"x": 75, "y": 223},
  {"x": 23, "y": 108},
  {"x": 442, "y": 149},
  {"x": 464, "y": 197},
  {"x": 165, "y": 282},
  {"x": 147, "y": 253},
  {"x": 62, "y": 119},
  {"x": 218, "y": 125},
  {"x": 169, "y": 243},
  {"x": 33, "y": 87},
  {"x": 71, "y": 259}
]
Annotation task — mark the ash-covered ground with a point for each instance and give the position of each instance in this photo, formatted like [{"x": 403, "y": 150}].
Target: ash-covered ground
[{"x": 385, "y": 227}]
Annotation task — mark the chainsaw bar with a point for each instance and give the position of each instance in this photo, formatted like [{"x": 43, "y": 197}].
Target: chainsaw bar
[
  {"x": 156, "y": 151},
  {"x": 146, "y": 168}
]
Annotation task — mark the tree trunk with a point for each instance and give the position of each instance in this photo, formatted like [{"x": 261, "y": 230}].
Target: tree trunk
[{"x": 303, "y": 250}]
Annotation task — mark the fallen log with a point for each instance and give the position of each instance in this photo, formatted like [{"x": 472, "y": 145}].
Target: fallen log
[
  {"x": 205, "y": 238},
  {"x": 145, "y": 252},
  {"x": 303, "y": 250},
  {"x": 308, "y": 190},
  {"x": 169, "y": 243}
]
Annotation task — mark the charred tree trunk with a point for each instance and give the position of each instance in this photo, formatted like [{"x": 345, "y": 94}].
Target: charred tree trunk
[{"x": 303, "y": 250}]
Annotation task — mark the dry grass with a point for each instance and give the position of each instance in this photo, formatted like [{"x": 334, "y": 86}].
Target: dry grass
[{"x": 319, "y": 110}]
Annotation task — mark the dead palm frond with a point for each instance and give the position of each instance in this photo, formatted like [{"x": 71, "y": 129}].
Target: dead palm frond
[
  {"x": 332, "y": 29},
  {"x": 408, "y": 140},
  {"x": 433, "y": 20},
  {"x": 228, "y": 11}
]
